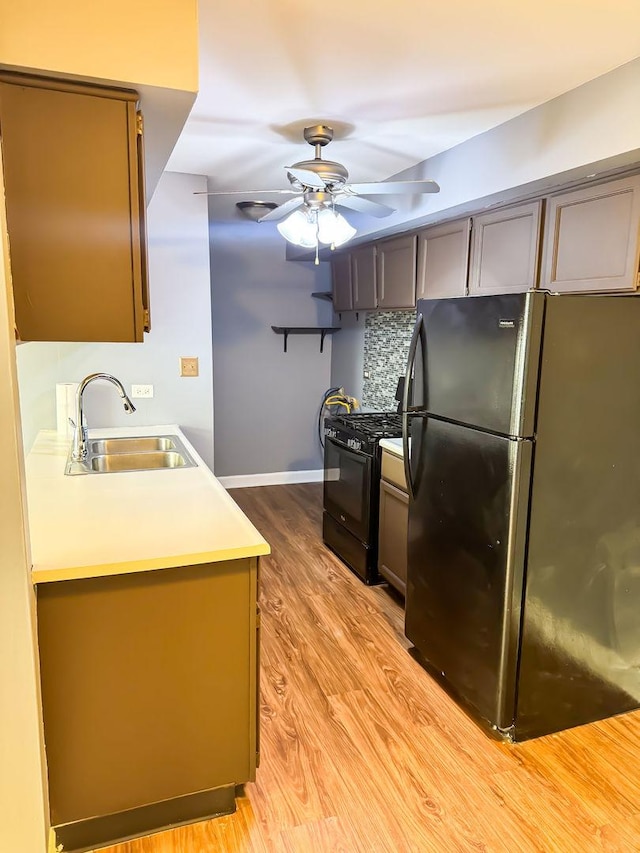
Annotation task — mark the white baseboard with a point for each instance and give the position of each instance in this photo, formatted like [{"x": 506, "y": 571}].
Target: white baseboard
[{"x": 277, "y": 478}]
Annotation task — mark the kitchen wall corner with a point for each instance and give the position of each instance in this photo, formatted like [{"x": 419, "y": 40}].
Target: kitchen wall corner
[{"x": 347, "y": 357}]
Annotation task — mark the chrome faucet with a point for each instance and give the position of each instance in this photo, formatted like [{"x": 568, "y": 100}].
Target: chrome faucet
[{"x": 79, "y": 443}]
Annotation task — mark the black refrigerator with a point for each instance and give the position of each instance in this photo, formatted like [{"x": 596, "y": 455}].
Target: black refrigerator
[{"x": 522, "y": 415}]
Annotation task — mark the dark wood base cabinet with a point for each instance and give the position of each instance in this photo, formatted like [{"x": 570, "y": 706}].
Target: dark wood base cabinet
[
  {"x": 393, "y": 525},
  {"x": 149, "y": 694}
]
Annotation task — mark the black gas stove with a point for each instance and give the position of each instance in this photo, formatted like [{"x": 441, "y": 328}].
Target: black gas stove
[
  {"x": 352, "y": 487},
  {"x": 363, "y": 431}
]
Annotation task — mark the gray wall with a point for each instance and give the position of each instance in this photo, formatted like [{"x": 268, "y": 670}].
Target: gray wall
[
  {"x": 181, "y": 326},
  {"x": 267, "y": 401},
  {"x": 347, "y": 361}
]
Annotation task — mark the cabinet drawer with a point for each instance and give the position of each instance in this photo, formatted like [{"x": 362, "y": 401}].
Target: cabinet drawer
[{"x": 393, "y": 470}]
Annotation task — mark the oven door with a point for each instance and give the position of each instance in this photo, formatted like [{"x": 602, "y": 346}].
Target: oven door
[{"x": 347, "y": 488}]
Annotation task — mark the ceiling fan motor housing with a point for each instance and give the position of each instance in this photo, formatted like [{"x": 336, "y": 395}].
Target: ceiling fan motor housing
[{"x": 333, "y": 174}]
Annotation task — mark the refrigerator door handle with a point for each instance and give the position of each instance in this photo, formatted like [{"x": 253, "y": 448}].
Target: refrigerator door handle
[
  {"x": 405, "y": 455},
  {"x": 413, "y": 349}
]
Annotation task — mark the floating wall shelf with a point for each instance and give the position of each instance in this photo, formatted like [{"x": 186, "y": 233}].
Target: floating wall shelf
[{"x": 305, "y": 330}]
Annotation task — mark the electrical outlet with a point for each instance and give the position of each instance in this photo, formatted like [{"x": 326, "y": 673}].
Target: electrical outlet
[
  {"x": 366, "y": 374},
  {"x": 142, "y": 391},
  {"x": 188, "y": 366}
]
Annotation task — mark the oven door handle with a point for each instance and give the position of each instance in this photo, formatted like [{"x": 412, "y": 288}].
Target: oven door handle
[{"x": 413, "y": 349}]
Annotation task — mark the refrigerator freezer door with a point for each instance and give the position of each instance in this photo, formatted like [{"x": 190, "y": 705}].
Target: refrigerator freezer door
[
  {"x": 467, "y": 528},
  {"x": 479, "y": 360}
]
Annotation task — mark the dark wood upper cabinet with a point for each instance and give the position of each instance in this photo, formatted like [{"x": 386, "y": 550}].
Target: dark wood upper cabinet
[
  {"x": 592, "y": 238},
  {"x": 505, "y": 250},
  {"x": 363, "y": 278},
  {"x": 396, "y": 272},
  {"x": 443, "y": 260},
  {"x": 341, "y": 282},
  {"x": 75, "y": 210}
]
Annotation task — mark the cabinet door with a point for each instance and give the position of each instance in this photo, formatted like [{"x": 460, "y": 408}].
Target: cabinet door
[
  {"x": 396, "y": 265},
  {"x": 117, "y": 695},
  {"x": 392, "y": 543},
  {"x": 443, "y": 260},
  {"x": 75, "y": 210},
  {"x": 363, "y": 278},
  {"x": 505, "y": 248},
  {"x": 341, "y": 278},
  {"x": 591, "y": 238}
]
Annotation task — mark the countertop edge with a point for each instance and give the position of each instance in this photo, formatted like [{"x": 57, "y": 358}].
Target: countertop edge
[
  {"x": 392, "y": 445},
  {"x": 43, "y": 575}
]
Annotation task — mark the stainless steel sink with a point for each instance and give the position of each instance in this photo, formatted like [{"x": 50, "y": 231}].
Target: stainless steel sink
[
  {"x": 137, "y": 461},
  {"x": 132, "y": 445},
  {"x": 132, "y": 453}
]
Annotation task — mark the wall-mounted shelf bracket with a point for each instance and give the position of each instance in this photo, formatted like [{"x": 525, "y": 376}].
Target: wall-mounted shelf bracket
[{"x": 323, "y": 331}]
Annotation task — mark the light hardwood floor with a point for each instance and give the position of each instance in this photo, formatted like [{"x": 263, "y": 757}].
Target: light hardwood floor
[{"x": 362, "y": 752}]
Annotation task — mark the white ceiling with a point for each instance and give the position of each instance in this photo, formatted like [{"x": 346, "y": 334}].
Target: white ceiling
[{"x": 399, "y": 80}]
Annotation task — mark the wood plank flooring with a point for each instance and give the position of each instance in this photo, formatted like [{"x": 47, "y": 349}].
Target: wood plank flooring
[{"x": 362, "y": 752}]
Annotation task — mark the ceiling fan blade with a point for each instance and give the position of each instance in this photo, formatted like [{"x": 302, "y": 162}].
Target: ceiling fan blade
[
  {"x": 246, "y": 192},
  {"x": 307, "y": 177},
  {"x": 363, "y": 205},
  {"x": 283, "y": 210},
  {"x": 394, "y": 187}
]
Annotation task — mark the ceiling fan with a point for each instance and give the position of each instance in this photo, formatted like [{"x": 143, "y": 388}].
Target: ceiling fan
[{"x": 320, "y": 186}]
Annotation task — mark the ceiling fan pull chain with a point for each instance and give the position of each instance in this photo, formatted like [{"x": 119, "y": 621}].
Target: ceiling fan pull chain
[{"x": 333, "y": 210}]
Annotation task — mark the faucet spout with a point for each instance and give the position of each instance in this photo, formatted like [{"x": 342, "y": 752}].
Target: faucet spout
[{"x": 79, "y": 442}]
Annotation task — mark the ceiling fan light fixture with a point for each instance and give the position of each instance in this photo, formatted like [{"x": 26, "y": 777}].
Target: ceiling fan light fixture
[
  {"x": 308, "y": 228},
  {"x": 333, "y": 228},
  {"x": 300, "y": 229},
  {"x": 256, "y": 209}
]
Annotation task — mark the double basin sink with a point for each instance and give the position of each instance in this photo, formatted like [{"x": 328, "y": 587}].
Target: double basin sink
[{"x": 144, "y": 453}]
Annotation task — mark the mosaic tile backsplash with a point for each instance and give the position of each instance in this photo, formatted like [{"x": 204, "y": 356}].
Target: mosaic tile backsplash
[{"x": 387, "y": 335}]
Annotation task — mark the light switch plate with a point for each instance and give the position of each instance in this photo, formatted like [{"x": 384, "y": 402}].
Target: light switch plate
[{"x": 188, "y": 366}]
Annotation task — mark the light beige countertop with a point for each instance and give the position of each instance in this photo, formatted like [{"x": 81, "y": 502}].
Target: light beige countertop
[
  {"x": 106, "y": 524},
  {"x": 393, "y": 445}
]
